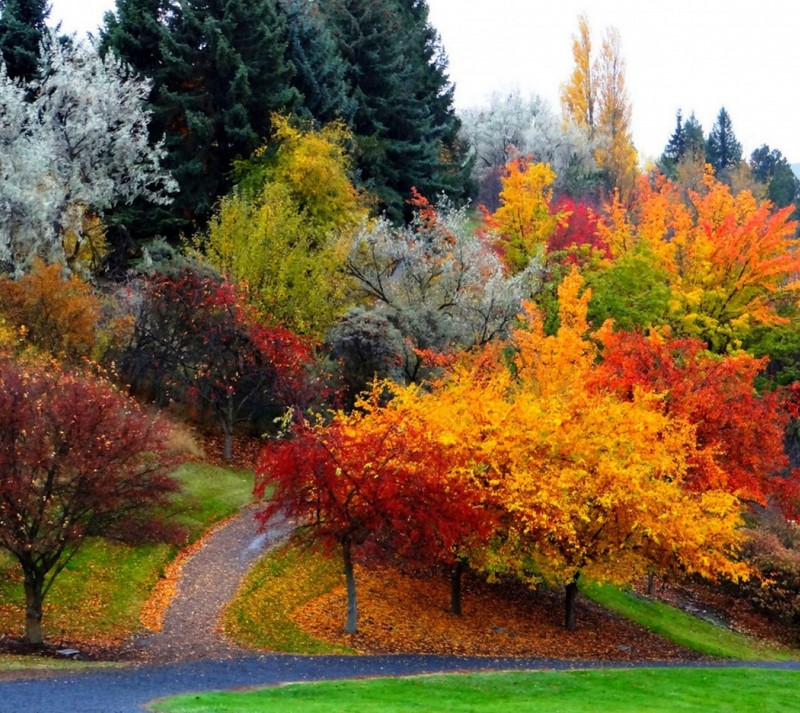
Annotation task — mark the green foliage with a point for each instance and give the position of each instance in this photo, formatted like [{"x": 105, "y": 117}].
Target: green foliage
[
  {"x": 682, "y": 628},
  {"x": 634, "y": 292},
  {"x": 22, "y": 28},
  {"x": 286, "y": 232},
  {"x": 285, "y": 579},
  {"x": 652, "y": 690},
  {"x": 723, "y": 150}
]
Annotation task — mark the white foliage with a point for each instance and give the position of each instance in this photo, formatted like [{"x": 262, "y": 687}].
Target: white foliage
[{"x": 72, "y": 141}]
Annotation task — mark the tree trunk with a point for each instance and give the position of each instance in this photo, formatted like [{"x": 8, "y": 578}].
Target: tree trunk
[
  {"x": 569, "y": 604},
  {"x": 352, "y": 604},
  {"x": 227, "y": 430},
  {"x": 34, "y": 598},
  {"x": 650, "y": 581},
  {"x": 456, "y": 577}
]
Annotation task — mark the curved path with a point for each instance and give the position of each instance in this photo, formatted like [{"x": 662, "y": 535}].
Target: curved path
[
  {"x": 189, "y": 655},
  {"x": 208, "y": 581}
]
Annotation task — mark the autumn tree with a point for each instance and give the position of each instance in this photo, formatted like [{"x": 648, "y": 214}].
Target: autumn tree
[
  {"x": 55, "y": 313},
  {"x": 287, "y": 229},
  {"x": 595, "y": 98},
  {"x": 79, "y": 460},
  {"x": 524, "y": 221},
  {"x": 372, "y": 483},
  {"x": 730, "y": 260},
  {"x": 195, "y": 341}
]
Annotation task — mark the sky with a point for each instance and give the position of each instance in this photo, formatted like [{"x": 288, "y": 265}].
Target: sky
[{"x": 694, "y": 55}]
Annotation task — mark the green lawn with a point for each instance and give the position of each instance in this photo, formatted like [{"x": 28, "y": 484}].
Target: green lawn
[
  {"x": 99, "y": 595},
  {"x": 621, "y": 691},
  {"x": 281, "y": 581},
  {"x": 683, "y": 629}
]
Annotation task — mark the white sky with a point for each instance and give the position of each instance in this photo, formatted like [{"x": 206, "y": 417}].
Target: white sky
[{"x": 697, "y": 55}]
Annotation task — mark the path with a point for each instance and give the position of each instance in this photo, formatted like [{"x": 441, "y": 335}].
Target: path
[
  {"x": 129, "y": 690},
  {"x": 209, "y": 580}
]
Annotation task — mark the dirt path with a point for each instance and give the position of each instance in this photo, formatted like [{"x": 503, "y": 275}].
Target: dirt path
[{"x": 209, "y": 580}]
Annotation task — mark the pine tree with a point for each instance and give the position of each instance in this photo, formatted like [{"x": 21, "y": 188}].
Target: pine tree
[
  {"x": 320, "y": 69},
  {"x": 22, "y": 27},
  {"x": 694, "y": 138},
  {"x": 675, "y": 148},
  {"x": 770, "y": 167},
  {"x": 219, "y": 69},
  {"x": 404, "y": 125},
  {"x": 723, "y": 151}
]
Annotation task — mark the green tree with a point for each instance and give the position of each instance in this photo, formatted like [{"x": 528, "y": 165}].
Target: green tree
[
  {"x": 723, "y": 150},
  {"x": 218, "y": 70},
  {"x": 770, "y": 167},
  {"x": 286, "y": 230},
  {"x": 22, "y": 27},
  {"x": 320, "y": 69},
  {"x": 404, "y": 126}
]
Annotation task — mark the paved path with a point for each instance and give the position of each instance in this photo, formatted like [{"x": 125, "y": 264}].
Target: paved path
[
  {"x": 209, "y": 580},
  {"x": 129, "y": 690}
]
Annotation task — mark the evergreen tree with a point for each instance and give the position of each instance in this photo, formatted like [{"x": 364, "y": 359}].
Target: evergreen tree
[
  {"x": 694, "y": 138},
  {"x": 723, "y": 151},
  {"x": 770, "y": 167},
  {"x": 675, "y": 148},
  {"x": 219, "y": 69},
  {"x": 22, "y": 28},
  {"x": 320, "y": 69},
  {"x": 404, "y": 125}
]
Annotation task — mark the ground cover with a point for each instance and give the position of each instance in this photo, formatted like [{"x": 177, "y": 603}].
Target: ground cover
[
  {"x": 623, "y": 691},
  {"x": 98, "y": 598}
]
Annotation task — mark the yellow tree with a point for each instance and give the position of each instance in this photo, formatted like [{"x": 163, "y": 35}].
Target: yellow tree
[
  {"x": 524, "y": 221},
  {"x": 286, "y": 231},
  {"x": 586, "y": 482},
  {"x": 616, "y": 154},
  {"x": 579, "y": 94}
]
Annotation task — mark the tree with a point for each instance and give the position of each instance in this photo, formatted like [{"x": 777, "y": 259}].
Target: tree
[
  {"x": 723, "y": 151},
  {"x": 287, "y": 229},
  {"x": 770, "y": 167},
  {"x": 595, "y": 98},
  {"x": 434, "y": 288},
  {"x": 405, "y": 127},
  {"x": 740, "y": 433},
  {"x": 22, "y": 29},
  {"x": 524, "y": 221},
  {"x": 374, "y": 482},
  {"x": 219, "y": 70},
  {"x": 319, "y": 67},
  {"x": 56, "y": 314},
  {"x": 195, "y": 341},
  {"x": 616, "y": 154},
  {"x": 579, "y": 94},
  {"x": 77, "y": 147},
  {"x": 79, "y": 460}
]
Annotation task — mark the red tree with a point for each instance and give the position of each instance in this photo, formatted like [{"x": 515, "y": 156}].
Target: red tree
[
  {"x": 196, "y": 334},
  {"x": 77, "y": 459},
  {"x": 577, "y": 228},
  {"x": 374, "y": 483},
  {"x": 740, "y": 433}
]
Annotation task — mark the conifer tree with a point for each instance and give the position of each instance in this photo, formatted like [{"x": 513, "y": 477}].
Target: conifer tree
[
  {"x": 22, "y": 28},
  {"x": 723, "y": 151}
]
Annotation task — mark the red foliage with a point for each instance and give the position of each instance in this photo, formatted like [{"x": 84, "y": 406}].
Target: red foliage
[
  {"x": 380, "y": 484},
  {"x": 578, "y": 229},
  {"x": 739, "y": 432}
]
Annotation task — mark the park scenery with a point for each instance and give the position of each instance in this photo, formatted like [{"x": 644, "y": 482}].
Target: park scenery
[{"x": 296, "y": 358}]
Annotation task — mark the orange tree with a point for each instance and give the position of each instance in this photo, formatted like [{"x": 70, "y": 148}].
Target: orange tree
[{"x": 78, "y": 459}]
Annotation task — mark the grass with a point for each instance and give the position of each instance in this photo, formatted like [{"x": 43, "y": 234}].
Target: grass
[
  {"x": 283, "y": 580},
  {"x": 622, "y": 691},
  {"x": 99, "y": 595},
  {"x": 683, "y": 629},
  {"x": 10, "y": 663}
]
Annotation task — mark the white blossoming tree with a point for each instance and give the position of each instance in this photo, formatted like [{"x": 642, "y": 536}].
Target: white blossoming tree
[{"x": 73, "y": 143}]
